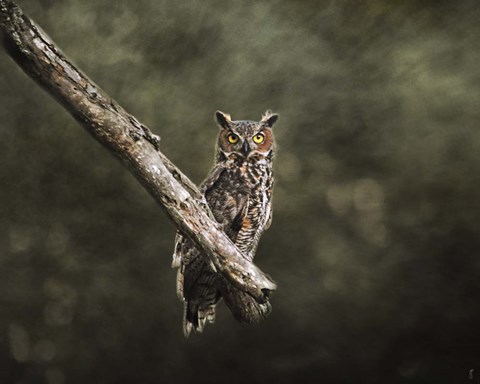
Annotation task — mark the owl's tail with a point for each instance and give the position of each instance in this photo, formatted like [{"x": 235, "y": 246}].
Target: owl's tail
[
  {"x": 196, "y": 315},
  {"x": 243, "y": 306}
]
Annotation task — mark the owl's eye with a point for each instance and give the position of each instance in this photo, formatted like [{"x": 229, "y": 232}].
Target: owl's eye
[
  {"x": 258, "y": 138},
  {"x": 232, "y": 138}
]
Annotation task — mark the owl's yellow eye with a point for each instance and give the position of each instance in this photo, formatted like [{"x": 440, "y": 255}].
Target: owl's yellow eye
[
  {"x": 258, "y": 138},
  {"x": 232, "y": 138}
]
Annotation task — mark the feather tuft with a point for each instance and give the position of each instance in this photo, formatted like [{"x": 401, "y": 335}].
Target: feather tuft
[{"x": 269, "y": 118}]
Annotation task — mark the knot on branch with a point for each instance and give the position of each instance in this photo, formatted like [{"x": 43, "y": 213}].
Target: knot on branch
[{"x": 139, "y": 131}]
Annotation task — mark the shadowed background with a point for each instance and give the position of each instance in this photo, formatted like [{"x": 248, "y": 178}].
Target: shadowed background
[{"x": 375, "y": 238}]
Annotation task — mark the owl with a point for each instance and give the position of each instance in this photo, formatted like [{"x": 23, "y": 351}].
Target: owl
[{"x": 238, "y": 190}]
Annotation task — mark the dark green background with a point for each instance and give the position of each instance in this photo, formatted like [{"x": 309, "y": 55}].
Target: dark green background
[{"x": 375, "y": 238}]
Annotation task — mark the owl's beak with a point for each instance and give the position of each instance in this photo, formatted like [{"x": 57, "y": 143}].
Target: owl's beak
[{"x": 245, "y": 148}]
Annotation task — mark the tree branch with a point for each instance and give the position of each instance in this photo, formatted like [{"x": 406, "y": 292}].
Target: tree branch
[{"x": 132, "y": 142}]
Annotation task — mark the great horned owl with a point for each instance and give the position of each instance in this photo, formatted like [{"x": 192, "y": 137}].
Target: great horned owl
[{"x": 238, "y": 190}]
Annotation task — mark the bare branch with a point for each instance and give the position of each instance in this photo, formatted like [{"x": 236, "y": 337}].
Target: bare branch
[{"x": 131, "y": 142}]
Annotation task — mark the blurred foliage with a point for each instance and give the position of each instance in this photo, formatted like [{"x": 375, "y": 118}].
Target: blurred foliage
[{"x": 375, "y": 239}]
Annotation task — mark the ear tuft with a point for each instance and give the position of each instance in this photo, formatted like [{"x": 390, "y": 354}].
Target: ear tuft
[
  {"x": 223, "y": 119},
  {"x": 269, "y": 118}
]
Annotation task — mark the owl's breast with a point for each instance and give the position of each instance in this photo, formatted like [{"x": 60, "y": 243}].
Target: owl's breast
[
  {"x": 248, "y": 187},
  {"x": 240, "y": 200}
]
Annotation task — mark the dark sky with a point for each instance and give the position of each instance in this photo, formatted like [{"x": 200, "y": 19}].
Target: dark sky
[{"x": 375, "y": 239}]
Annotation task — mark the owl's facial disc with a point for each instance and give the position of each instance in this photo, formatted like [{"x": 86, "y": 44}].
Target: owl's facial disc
[{"x": 245, "y": 139}]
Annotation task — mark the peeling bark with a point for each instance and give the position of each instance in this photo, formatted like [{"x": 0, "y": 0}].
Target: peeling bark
[{"x": 132, "y": 142}]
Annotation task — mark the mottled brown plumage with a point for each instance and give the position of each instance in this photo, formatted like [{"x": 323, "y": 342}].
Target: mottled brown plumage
[{"x": 238, "y": 190}]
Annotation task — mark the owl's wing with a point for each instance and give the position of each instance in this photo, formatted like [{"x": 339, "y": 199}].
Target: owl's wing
[
  {"x": 185, "y": 251},
  {"x": 232, "y": 210},
  {"x": 269, "y": 217},
  {"x": 180, "y": 254},
  {"x": 212, "y": 178},
  {"x": 229, "y": 209},
  {"x": 183, "y": 246},
  {"x": 179, "y": 249}
]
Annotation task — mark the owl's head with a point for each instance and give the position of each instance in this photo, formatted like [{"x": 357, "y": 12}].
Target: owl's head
[{"x": 245, "y": 138}]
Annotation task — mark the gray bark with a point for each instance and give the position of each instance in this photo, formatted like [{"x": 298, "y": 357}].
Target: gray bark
[{"x": 132, "y": 142}]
